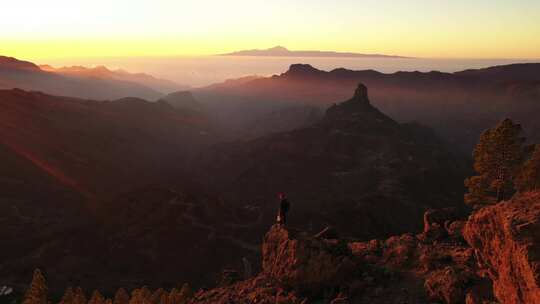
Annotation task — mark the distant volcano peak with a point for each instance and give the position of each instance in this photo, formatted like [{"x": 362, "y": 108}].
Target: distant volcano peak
[
  {"x": 278, "y": 48},
  {"x": 281, "y": 51}
]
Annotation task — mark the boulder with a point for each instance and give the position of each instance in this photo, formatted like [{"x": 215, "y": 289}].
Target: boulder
[
  {"x": 506, "y": 240},
  {"x": 437, "y": 222},
  {"x": 304, "y": 263},
  {"x": 447, "y": 285}
]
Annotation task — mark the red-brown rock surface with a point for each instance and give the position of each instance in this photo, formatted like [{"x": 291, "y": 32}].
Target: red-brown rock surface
[
  {"x": 257, "y": 290},
  {"x": 306, "y": 263},
  {"x": 506, "y": 238}
]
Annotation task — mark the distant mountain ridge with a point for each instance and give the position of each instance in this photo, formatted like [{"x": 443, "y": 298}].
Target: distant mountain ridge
[
  {"x": 99, "y": 83},
  {"x": 280, "y": 51},
  {"x": 476, "y": 98},
  {"x": 102, "y": 72}
]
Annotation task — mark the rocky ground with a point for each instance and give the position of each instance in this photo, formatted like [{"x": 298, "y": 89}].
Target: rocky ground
[{"x": 491, "y": 257}]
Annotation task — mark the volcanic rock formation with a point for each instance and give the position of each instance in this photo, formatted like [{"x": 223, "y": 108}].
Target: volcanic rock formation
[{"x": 506, "y": 238}]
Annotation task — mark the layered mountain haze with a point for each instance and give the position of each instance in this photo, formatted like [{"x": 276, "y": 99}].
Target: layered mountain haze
[
  {"x": 183, "y": 100},
  {"x": 102, "y": 72},
  {"x": 97, "y": 83},
  {"x": 476, "y": 99}
]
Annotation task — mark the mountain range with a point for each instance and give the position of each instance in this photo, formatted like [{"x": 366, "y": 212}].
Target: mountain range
[
  {"x": 476, "y": 99},
  {"x": 102, "y": 72},
  {"x": 91, "y": 83}
]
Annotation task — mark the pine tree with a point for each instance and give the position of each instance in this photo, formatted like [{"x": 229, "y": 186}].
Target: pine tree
[
  {"x": 136, "y": 297},
  {"x": 174, "y": 296},
  {"x": 145, "y": 293},
  {"x": 497, "y": 159},
  {"x": 121, "y": 297},
  {"x": 164, "y": 298},
  {"x": 80, "y": 297},
  {"x": 68, "y": 297},
  {"x": 529, "y": 177},
  {"x": 156, "y": 296},
  {"x": 186, "y": 292},
  {"x": 37, "y": 293},
  {"x": 96, "y": 298}
]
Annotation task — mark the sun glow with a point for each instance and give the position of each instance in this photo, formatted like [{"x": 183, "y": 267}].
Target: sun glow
[{"x": 34, "y": 29}]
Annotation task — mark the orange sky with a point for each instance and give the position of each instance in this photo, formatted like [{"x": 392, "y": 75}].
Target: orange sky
[{"x": 35, "y": 29}]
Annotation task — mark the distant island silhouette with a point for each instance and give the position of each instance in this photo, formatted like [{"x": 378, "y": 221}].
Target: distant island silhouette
[{"x": 280, "y": 51}]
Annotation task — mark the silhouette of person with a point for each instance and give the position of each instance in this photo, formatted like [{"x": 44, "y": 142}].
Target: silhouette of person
[{"x": 284, "y": 207}]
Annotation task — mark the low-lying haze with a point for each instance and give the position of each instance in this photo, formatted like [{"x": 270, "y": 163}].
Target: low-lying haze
[{"x": 201, "y": 71}]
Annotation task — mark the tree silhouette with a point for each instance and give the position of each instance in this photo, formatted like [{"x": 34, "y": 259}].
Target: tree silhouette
[
  {"x": 68, "y": 297},
  {"x": 80, "y": 297},
  {"x": 497, "y": 159},
  {"x": 529, "y": 177},
  {"x": 37, "y": 293},
  {"x": 96, "y": 298},
  {"x": 121, "y": 297}
]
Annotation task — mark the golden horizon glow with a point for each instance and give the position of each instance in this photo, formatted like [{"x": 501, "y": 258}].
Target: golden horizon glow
[{"x": 37, "y": 30}]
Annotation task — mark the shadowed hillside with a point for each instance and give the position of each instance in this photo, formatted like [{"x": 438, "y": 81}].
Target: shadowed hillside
[{"x": 356, "y": 169}]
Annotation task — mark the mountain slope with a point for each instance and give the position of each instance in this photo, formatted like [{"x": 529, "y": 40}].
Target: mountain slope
[
  {"x": 74, "y": 169},
  {"x": 97, "y": 147}
]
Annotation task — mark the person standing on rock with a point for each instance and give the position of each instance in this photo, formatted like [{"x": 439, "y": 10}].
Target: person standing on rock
[{"x": 284, "y": 207}]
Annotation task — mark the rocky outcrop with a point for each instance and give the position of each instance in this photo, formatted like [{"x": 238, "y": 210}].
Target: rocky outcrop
[
  {"x": 306, "y": 263},
  {"x": 440, "y": 223},
  {"x": 436, "y": 265},
  {"x": 447, "y": 284},
  {"x": 506, "y": 239},
  {"x": 433, "y": 266},
  {"x": 357, "y": 109}
]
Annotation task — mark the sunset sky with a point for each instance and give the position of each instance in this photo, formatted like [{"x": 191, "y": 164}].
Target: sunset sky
[{"x": 37, "y": 29}]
